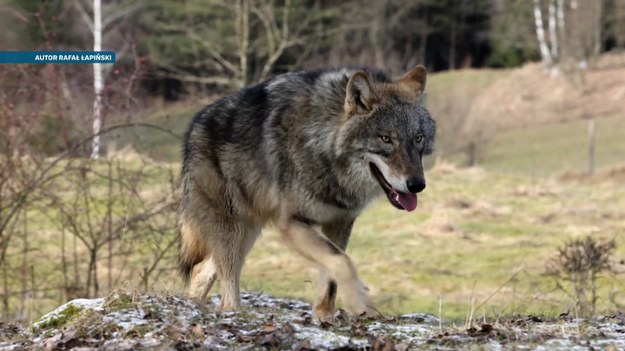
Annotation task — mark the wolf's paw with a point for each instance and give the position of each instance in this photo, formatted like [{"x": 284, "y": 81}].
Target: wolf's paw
[
  {"x": 232, "y": 305},
  {"x": 357, "y": 302},
  {"x": 323, "y": 315},
  {"x": 200, "y": 300}
]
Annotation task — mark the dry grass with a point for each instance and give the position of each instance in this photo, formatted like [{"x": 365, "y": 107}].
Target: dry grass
[{"x": 531, "y": 96}]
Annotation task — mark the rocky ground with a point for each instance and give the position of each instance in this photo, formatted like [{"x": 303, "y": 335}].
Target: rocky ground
[{"x": 127, "y": 321}]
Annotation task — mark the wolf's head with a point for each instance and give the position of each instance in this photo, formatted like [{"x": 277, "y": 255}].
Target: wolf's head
[{"x": 387, "y": 126}]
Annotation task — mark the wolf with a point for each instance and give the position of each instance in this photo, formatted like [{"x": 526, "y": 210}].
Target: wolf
[{"x": 306, "y": 152}]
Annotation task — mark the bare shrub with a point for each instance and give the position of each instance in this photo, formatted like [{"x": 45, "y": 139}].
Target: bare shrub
[
  {"x": 577, "y": 267},
  {"x": 71, "y": 227}
]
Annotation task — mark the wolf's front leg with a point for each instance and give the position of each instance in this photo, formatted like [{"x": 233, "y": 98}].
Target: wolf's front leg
[
  {"x": 338, "y": 232},
  {"x": 323, "y": 310},
  {"x": 322, "y": 251}
]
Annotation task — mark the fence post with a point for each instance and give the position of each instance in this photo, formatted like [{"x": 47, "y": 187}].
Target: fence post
[{"x": 591, "y": 146}]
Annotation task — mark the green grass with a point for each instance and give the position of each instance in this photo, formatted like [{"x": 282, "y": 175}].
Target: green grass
[{"x": 556, "y": 148}]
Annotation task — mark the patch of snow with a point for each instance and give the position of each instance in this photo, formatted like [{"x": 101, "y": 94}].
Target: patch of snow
[
  {"x": 409, "y": 332},
  {"x": 324, "y": 339},
  {"x": 5, "y": 346},
  {"x": 126, "y": 319},
  {"x": 427, "y": 318},
  {"x": 211, "y": 342}
]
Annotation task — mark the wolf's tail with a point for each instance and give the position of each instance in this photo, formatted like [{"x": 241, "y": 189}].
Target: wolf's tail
[
  {"x": 184, "y": 269},
  {"x": 192, "y": 247},
  {"x": 192, "y": 250}
]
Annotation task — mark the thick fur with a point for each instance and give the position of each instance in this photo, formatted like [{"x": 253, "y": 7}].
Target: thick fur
[{"x": 297, "y": 151}]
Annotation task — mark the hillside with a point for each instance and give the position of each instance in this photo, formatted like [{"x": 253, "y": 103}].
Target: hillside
[
  {"x": 531, "y": 96},
  {"x": 529, "y": 121}
]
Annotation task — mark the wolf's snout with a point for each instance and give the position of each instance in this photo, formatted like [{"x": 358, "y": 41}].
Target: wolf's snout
[{"x": 415, "y": 184}]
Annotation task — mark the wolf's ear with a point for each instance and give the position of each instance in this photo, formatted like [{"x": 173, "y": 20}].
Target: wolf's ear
[
  {"x": 360, "y": 97},
  {"x": 415, "y": 79}
]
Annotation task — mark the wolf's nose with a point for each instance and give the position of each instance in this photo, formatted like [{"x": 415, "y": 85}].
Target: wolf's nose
[{"x": 415, "y": 184}]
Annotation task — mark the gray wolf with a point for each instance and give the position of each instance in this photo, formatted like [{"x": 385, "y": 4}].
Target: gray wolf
[{"x": 306, "y": 152}]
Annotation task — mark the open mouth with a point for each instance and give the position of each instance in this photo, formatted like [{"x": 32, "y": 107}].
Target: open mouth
[{"x": 402, "y": 201}]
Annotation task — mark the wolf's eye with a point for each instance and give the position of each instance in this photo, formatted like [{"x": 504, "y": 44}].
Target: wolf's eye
[
  {"x": 419, "y": 138},
  {"x": 385, "y": 138}
]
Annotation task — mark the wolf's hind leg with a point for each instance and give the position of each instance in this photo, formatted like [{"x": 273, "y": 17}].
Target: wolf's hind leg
[
  {"x": 320, "y": 250},
  {"x": 202, "y": 279},
  {"x": 229, "y": 257}
]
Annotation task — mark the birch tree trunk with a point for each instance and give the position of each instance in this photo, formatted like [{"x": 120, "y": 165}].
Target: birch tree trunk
[
  {"x": 540, "y": 34},
  {"x": 97, "y": 79}
]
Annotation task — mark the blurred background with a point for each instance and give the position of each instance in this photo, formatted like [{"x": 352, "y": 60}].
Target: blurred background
[{"x": 525, "y": 207}]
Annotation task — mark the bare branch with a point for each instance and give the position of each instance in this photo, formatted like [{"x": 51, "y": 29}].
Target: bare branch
[
  {"x": 109, "y": 20},
  {"x": 84, "y": 15},
  {"x": 284, "y": 42},
  {"x": 268, "y": 28},
  {"x": 14, "y": 12},
  {"x": 216, "y": 55},
  {"x": 177, "y": 73}
]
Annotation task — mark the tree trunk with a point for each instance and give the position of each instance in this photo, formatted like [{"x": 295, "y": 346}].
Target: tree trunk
[
  {"x": 540, "y": 34},
  {"x": 423, "y": 40},
  {"x": 97, "y": 79},
  {"x": 598, "y": 29},
  {"x": 452, "y": 47},
  {"x": 243, "y": 30},
  {"x": 553, "y": 34},
  {"x": 561, "y": 29}
]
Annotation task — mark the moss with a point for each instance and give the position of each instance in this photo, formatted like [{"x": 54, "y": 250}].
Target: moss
[
  {"x": 119, "y": 301},
  {"x": 62, "y": 318}
]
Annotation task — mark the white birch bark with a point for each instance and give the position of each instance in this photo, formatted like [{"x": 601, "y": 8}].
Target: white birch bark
[
  {"x": 97, "y": 79},
  {"x": 540, "y": 34}
]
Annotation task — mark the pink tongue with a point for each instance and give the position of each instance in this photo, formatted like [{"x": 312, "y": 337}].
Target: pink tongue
[{"x": 407, "y": 201}]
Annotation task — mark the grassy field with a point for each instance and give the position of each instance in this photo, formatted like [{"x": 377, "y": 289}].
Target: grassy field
[
  {"x": 556, "y": 148},
  {"x": 477, "y": 237}
]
